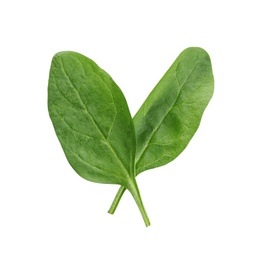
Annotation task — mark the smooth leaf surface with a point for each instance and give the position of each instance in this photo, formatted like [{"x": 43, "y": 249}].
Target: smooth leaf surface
[
  {"x": 171, "y": 114},
  {"x": 91, "y": 119}
]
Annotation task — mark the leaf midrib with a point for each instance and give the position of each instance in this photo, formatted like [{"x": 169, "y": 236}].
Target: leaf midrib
[
  {"x": 95, "y": 123},
  {"x": 87, "y": 163},
  {"x": 171, "y": 107}
]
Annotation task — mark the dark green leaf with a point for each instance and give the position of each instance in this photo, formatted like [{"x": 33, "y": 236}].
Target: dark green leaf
[
  {"x": 92, "y": 122},
  {"x": 91, "y": 119},
  {"x": 171, "y": 114}
]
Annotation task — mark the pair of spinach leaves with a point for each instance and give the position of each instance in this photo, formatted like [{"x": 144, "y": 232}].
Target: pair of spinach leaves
[{"x": 100, "y": 139}]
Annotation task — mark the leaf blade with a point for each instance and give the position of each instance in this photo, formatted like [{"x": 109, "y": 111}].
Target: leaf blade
[
  {"x": 171, "y": 114},
  {"x": 91, "y": 119}
]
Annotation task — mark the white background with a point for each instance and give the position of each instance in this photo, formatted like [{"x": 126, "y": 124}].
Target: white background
[{"x": 207, "y": 204}]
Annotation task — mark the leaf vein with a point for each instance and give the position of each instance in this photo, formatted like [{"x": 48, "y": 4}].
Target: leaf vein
[
  {"x": 88, "y": 136},
  {"x": 102, "y": 79},
  {"x": 173, "y": 104},
  {"x": 81, "y": 101},
  {"x": 89, "y": 164},
  {"x": 94, "y": 122}
]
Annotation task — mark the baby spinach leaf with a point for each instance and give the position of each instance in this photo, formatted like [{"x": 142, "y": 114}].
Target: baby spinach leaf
[
  {"x": 172, "y": 112},
  {"x": 92, "y": 122}
]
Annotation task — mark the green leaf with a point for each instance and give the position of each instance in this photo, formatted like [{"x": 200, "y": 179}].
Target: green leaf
[
  {"x": 92, "y": 122},
  {"x": 171, "y": 114}
]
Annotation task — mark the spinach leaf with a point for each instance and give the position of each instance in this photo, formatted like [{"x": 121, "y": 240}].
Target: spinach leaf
[
  {"x": 172, "y": 112},
  {"x": 93, "y": 123}
]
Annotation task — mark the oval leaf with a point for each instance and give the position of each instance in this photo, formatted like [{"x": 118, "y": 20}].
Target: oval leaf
[
  {"x": 91, "y": 119},
  {"x": 171, "y": 114}
]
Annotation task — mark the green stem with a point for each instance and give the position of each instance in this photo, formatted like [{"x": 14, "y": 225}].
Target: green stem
[
  {"x": 133, "y": 188},
  {"x": 116, "y": 200}
]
